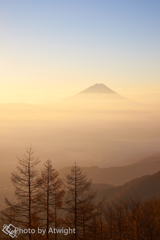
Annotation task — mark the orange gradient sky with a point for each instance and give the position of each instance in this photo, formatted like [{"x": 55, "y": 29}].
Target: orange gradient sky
[{"x": 52, "y": 50}]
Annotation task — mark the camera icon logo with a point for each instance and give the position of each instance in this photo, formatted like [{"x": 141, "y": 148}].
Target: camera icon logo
[{"x": 10, "y": 230}]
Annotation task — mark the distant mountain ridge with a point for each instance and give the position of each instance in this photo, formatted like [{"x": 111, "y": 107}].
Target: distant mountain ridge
[
  {"x": 119, "y": 175},
  {"x": 143, "y": 188}
]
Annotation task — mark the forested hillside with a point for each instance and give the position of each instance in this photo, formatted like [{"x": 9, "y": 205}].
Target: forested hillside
[{"x": 47, "y": 207}]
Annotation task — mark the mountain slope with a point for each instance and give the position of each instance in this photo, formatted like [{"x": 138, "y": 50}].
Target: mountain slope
[
  {"x": 145, "y": 187},
  {"x": 98, "y": 89},
  {"x": 119, "y": 175},
  {"x": 98, "y": 92},
  {"x": 99, "y": 97}
]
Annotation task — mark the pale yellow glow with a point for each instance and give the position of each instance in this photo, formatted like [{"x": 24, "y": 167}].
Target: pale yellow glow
[{"x": 49, "y": 93}]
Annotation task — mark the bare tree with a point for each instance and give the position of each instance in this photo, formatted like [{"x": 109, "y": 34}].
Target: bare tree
[
  {"x": 51, "y": 195},
  {"x": 26, "y": 189},
  {"x": 79, "y": 202}
]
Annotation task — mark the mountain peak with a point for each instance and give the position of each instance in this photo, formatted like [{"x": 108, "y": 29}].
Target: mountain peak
[{"x": 98, "y": 88}]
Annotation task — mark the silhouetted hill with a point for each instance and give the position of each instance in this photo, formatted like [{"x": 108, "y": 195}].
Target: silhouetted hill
[
  {"x": 119, "y": 175},
  {"x": 148, "y": 159},
  {"x": 102, "y": 187},
  {"x": 145, "y": 187}
]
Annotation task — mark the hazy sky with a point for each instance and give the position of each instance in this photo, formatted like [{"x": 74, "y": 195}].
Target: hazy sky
[{"x": 52, "y": 49}]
